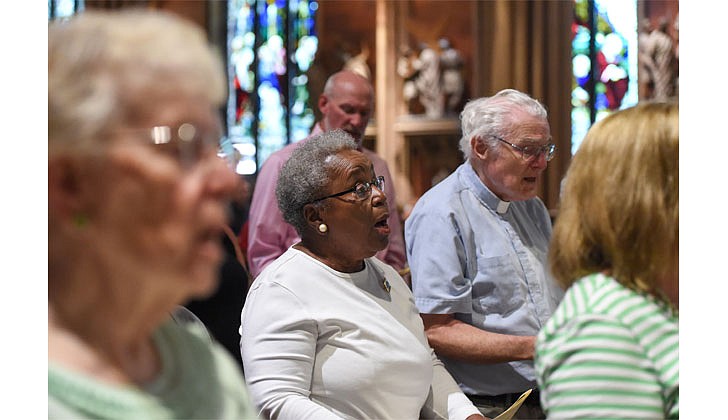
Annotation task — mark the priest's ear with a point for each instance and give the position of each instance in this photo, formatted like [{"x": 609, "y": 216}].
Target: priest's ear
[{"x": 479, "y": 147}]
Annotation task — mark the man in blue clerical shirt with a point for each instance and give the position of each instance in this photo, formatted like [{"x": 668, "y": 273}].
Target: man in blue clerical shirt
[{"x": 477, "y": 246}]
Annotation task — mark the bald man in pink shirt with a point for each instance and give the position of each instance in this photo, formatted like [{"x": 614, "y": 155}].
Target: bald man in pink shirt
[{"x": 346, "y": 103}]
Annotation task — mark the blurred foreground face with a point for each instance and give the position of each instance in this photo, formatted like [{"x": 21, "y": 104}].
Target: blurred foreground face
[
  {"x": 160, "y": 208},
  {"x": 137, "y": 195}
]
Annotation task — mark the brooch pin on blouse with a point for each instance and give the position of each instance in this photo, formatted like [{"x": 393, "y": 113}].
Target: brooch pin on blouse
[{"x": 386, "y": 286}]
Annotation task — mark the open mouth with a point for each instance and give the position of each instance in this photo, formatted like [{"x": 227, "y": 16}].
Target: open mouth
[
  {"x": 531, "y": 179},
  {"x": 382, "y": 226}
]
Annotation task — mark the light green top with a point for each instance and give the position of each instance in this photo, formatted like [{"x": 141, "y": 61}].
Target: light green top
[
  {"x": 609, "y": 352},
  {"x": 199, "y": 380}
]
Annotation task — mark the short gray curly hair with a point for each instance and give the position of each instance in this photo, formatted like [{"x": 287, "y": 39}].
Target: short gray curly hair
[
  {"x": 305, "y": 175},
  {"x": 485, "y": 117}
]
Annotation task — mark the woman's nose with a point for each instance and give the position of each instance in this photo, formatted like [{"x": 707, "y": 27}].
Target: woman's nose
[
  {"x": 379, "y": 197},
  {"x": 221, "y": 178}
]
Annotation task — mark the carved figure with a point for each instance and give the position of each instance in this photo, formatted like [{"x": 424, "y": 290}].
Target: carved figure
[
  {"x": 407, "y": 71},
  {"x": 428, "y": 82},
  {"x": 358, "y": 63},
  {"x": 657, "y": 58},
  {"x": 451, "y": 65}
]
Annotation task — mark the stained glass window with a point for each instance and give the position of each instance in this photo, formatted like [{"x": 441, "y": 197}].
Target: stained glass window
[
  {"x": 604, "y": 62},
  {"x": 271, "y": 44},
  {"x": 59, "y": 9}
]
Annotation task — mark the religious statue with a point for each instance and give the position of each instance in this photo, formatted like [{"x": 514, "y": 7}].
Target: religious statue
[
  {"x": 433, "y": 77},
  {"x": 407, "y": 71},
  {"x": 428, "y": 82},
  {"x": 451, "y": 64},
  {"x": 658, "y": 63},
  {"x": 358, "y": 63}
]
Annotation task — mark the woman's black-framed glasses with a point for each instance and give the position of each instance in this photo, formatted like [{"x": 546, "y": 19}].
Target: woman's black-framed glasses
[
  {"x": 531, "y": 152},
  {"x": 362, "y": 190}
]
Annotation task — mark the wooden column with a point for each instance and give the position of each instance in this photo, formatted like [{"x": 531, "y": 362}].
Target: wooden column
[{"x": 390, "y": 144}]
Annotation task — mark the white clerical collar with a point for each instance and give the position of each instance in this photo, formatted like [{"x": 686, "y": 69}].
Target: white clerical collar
[
  {"x": 481, "y": 190},
  {"x": 502, "y": 206}
]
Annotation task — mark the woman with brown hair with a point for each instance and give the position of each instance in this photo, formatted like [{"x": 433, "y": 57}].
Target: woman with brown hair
[{"x": 611, "y": 348}]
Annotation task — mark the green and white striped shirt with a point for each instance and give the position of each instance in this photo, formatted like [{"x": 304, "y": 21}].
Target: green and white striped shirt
[{"x": 609, "y": 352}]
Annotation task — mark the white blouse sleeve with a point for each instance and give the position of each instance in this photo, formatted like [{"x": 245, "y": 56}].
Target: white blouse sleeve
[
  {"x": 278, "y": 345},
  {"x": 446, "y": 400}
]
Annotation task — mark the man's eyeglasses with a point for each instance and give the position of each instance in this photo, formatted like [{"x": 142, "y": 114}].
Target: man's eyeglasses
[
  {"x": 362, "y": 190},
  {"x": 532, "y": 152}
]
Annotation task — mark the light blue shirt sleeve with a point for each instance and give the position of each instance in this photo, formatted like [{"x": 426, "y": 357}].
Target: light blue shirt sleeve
[{"x": 437, "y": 259}]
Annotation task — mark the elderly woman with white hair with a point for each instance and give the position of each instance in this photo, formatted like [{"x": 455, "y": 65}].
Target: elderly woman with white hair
[{"x": 136, "y": 203}]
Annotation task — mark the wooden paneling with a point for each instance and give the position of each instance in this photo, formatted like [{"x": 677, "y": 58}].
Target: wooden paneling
[{"x": 345, "y": 29}]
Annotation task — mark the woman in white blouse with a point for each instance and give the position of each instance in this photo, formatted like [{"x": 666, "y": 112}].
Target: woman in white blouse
[{"x": 328, "y": 331}]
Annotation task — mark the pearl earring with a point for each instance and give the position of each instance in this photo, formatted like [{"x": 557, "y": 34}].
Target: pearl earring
[{"x": 323, "y": 228}]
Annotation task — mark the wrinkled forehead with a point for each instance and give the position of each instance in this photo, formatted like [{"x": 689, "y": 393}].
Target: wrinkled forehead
[
  {"x": 348, "y": 164},
  {"x": 352, "y": 91},
  {"x": 523, "y": 125}
]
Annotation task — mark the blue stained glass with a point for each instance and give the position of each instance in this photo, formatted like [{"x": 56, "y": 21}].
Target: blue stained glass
[
  {"x": 272, "y": 127},
  {"x": 601, "y": 101},
  {"x": 615, "y": 67},
  {"x": 61, "y": 9},
  {"x": 619, "y": 39},
  {"x": 241, "y": 53},
  {"x": 581, "y": 40},
  {"x": 269, "y": 104},
  {"x": 305, "y": 47},
  {"x": 581, "y": 68}
]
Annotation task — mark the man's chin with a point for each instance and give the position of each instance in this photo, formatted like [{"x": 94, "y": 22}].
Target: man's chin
[{"x": 358, "y": 137}]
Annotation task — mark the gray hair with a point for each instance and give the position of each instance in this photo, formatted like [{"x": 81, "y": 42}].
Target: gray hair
[
  {"x": 305, "y": 175},
  {"x": 485, "y": 117},
  {"x": 106, "y": 69}
]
